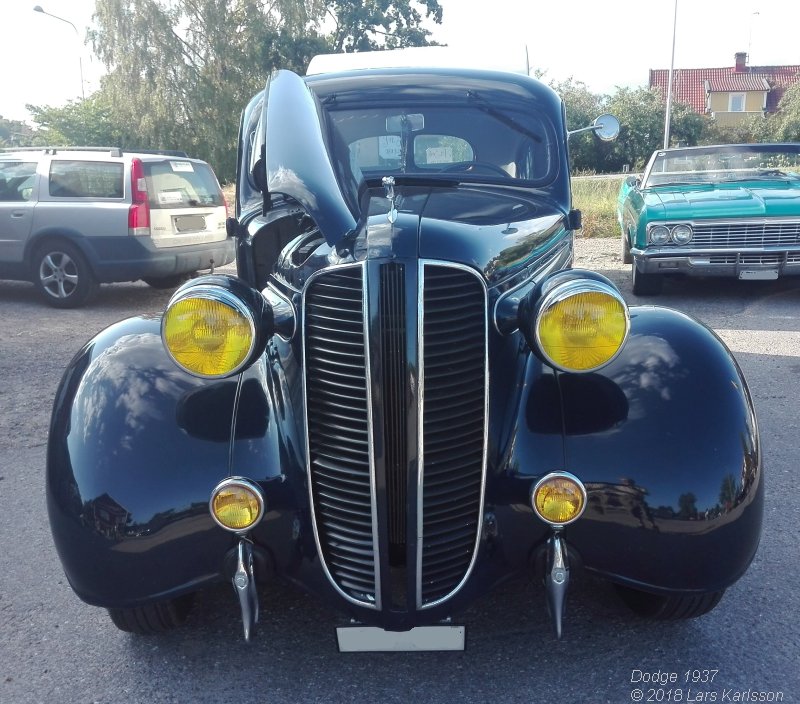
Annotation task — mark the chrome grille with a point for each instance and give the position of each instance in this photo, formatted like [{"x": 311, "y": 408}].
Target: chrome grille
[
  {"x": 432, "y": 398},
  {"x": 338, "y": 431},
  {"x": 737, "y": 235},
  {"x": 453, "y": 427}
]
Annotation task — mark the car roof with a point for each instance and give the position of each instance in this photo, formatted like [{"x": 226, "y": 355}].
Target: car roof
[{"x": 94, "y": 154}]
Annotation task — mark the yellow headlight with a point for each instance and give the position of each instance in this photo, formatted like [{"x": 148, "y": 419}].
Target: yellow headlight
[
  {"x": 559, "y": 498},
  {"x": 237, "y": 504},
  {"x": 582, "y": 325},
  {"x": 208, "y": 333}
]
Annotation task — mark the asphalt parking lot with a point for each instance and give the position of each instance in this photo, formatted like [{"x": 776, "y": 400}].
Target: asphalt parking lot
[{"x": 54, "y": 649}]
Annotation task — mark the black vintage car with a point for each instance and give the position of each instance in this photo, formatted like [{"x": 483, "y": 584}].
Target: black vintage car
[{"x": 407, "y": 395}]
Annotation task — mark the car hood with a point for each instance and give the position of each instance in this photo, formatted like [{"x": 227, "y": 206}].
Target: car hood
[
  {"x": 724, "y": 201},
  {"x": 497, "y": 232}
]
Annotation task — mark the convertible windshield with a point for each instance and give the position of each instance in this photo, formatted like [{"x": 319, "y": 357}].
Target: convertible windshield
[
  {"x": 724, "y": 163},
  {"x": 466, "y": 142}
]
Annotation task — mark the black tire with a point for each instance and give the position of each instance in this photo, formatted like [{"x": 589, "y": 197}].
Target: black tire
[
  {"x": 627, "y": 257},
  {"x": 645, "y": 284},
  {"x": 164, "y": 282},
  {"x": 62, "y": 275},
  {"x": 668, "y": 608},
  {"x": 153, "y": 618}
]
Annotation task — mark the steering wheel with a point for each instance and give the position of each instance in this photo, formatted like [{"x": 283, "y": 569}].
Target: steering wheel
[{"x": 472, "y": 166}]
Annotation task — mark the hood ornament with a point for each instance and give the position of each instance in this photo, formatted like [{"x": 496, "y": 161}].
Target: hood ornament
[{"x": 388, "y": 187}]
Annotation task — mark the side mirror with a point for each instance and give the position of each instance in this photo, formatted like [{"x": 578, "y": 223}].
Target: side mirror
[
  {"x": 606, "y": 127},
  {"x": 632, "y": 181}
]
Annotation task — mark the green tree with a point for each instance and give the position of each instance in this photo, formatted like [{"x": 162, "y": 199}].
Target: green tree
[
  {"x": 87, "y": 122},
  {"x": 582, "y": 107},
  {"x": 785, "y": 125},
  {"x": 367, "y": 25}
]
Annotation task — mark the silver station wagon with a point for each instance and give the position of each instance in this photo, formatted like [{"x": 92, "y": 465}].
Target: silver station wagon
[{"x": 71, "y": 219}]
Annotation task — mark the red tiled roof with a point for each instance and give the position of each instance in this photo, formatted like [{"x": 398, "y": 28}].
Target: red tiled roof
[{"x": 689, "y": 84}]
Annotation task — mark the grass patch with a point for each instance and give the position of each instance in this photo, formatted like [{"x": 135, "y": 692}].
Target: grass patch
[{"x": 596, "y": 198}]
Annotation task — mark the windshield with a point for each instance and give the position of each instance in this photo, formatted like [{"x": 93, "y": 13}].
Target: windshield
[
  {"x": 473, "y": 142},
  {"x": 725, "y": 163}
]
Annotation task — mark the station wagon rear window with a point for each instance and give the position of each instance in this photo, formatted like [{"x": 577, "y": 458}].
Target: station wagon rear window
[
  {"x": 181, "y": 184},
  {"x": 86, "y": 179},
  {"x": 443, "y": 141}
]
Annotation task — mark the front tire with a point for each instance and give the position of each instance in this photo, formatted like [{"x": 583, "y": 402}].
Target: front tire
[
  {"x": 645, "y": 284},
  {"x": 153, "y": 618},
  {"x": 668, "y": 608},
  {"x": 62, "y": 275},
  {"x": 627, "y": 257}
]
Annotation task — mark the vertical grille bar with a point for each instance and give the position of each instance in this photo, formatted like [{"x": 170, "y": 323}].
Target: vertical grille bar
[
  {"x": 395, "y": 412},
  {"x": 338, "y": 422},
  {"x": 453, "y": 427}
]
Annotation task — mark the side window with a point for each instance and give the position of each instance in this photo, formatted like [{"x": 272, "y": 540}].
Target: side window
[
  {"x": 86, "y": 179},
  {"x": 16, "y": 181},
  {"x": 438, "y": 149},
  {"x": 736, "y": 102}
]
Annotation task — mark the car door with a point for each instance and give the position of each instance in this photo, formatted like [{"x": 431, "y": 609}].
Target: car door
[{"x": 17, "y": 201}]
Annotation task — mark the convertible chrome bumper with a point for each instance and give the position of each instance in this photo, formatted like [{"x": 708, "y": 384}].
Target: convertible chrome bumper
[{"x": 760, "y": 263}]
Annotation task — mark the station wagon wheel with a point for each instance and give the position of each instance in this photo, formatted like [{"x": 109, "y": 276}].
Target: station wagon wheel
[
  {"x": 668, "y": 608},
  {"x": 153, "y": 618},
  {"x": 645, "y": 284},
  {"x": 62, "y": 275}
]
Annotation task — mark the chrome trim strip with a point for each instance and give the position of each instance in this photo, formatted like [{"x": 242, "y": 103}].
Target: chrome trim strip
[
  {"x": 655, "y": 252},
  {"x": 421, "y": 415},
  {"x": 373, "y": 498}
]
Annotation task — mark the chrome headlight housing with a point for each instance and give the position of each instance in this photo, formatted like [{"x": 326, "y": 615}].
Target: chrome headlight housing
[
  {"x": 658, "y": 234},
  {"x": 215, "y": 326},
  {"x": 682, "y": 234},
  {"x": 576, "y": 321}
]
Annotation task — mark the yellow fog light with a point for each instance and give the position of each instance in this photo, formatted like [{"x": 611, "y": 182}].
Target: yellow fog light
[
  {"x": 582, "y": 325},
  {"x": 559, "y": 498},
  {"x": 208, "y": 331},
  {"x": 237, "y": 504}
]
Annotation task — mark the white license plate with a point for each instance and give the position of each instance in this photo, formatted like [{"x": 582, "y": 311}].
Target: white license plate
[
  {"x": 361, "y": 639},
  {"x": 759, "y": 275}
]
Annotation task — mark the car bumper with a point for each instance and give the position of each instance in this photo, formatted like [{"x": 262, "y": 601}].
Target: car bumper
[
  {"x": 744, "y": 263},
  {"x": 132, "y": 258}
]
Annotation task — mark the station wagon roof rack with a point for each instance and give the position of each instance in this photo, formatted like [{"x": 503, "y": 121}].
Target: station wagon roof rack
[{"x": 113, "y": 151}]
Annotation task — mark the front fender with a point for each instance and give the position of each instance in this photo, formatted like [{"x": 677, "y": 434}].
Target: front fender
[
  {"x": 675, "y": 487},
  {"x": 136, "y": 446}
]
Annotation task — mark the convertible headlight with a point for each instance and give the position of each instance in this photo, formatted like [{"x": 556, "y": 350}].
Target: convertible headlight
[
  {"x": 558, "y": 498},
  {"x": 682, "y": 234},
  {"x": 658, "y": 234},
  {"x": 236, "y": 504},
  {"x": 581, "y": 324},
  {"x": 214, "y": 330}
]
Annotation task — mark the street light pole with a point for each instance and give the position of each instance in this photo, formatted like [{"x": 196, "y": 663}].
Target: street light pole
[
  {"x": 38, "y": 8},
  {"x": 669, "y": 82}
]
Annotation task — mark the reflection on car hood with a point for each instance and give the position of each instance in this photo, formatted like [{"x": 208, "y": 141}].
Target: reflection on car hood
[
  {"x": 730, "y": 200},
  {"x": 496, "y": 232}
]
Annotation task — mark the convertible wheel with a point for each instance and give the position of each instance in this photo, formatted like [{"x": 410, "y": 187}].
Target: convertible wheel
[
  {"x": 153, "y": 618},
  {"x": 668, "y": 608},
  {"x": 645, "y": 284},
  {"x": 627, "y": 257},
  {"x": 62, "y": 275},
  {"x": 168, "y": 281}
]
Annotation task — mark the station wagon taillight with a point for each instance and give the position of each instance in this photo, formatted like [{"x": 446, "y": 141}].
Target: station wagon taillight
[{"x": 139, "y": 212}]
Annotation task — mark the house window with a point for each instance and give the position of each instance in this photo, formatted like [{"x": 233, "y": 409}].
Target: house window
[{"x": 736, "y": 102}]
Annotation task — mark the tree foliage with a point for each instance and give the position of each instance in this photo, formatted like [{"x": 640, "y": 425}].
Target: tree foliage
[{"x": 367, "y": 25}]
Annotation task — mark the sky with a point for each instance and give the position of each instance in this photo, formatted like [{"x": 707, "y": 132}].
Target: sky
[{"x": 602, "y": 44}]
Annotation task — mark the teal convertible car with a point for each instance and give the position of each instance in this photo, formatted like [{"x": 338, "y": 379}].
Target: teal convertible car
[{"x": 726, "y": 210}]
